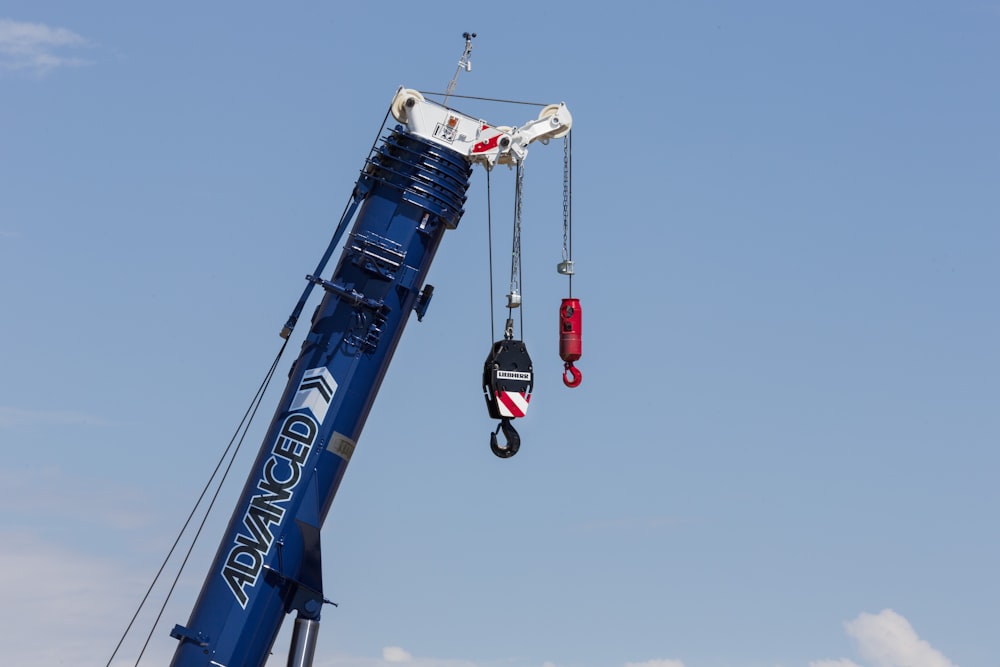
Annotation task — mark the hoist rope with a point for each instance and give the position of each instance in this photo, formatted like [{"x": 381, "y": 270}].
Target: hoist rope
[
  {"x": 515, "y": 252},
  {"x": 568, "y": 204},
  {"x": 238, "y": 439},
  {"x": 489, "y": 243}
]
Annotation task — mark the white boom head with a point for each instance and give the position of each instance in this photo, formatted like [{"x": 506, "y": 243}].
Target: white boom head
[{"x": 476, "y": 139}]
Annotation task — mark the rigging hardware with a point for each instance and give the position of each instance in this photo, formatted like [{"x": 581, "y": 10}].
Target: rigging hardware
[
  {"x": 463, "y": 64},
  {"x": 570, "y": 313}
]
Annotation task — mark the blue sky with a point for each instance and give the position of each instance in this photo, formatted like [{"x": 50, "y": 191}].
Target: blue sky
[{"x": 786, "y": 231}]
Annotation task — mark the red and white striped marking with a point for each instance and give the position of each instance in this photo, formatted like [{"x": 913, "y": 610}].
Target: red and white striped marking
[{"x": 513, "y": 403}]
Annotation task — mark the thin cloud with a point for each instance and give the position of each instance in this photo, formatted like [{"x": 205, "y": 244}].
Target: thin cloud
[
  {"x": 656, "y": 663},
  {"x": 834, "y": 663},
  {"x": 90, "y": 593},
  {"x": 888, "y": 640},
  {"x": 50, "y": 496},
  {"x": 35, "y": 48}
]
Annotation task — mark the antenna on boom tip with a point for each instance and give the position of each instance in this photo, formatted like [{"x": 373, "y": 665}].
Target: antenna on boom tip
[{"x": 463, "y": 63}]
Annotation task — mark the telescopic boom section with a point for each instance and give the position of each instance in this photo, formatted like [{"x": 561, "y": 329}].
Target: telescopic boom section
[{"x": 412, "y": 189}]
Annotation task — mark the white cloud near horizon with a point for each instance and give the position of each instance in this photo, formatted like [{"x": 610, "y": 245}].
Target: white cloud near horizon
[
  {"x": 886, "y": 639},
  {"x": 395, "y": 654},
  {"x": 391, "y": 655},
  {"x": 36, "y": 48},
  {"x": 90, "y": 594},
  {"x": 93, "y": 595}
]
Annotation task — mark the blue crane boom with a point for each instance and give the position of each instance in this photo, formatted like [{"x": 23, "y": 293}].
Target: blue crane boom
[{"x": 268, "y": 564}]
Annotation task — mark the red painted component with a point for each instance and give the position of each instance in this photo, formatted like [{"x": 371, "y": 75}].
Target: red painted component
[
  {"x": 489, "y": 144},
  {"x": 513, "y": 404},
  {"x": 571, "y": 339},
  {"x": 570, "y": 329},
  {"x": 572, "y": 377}
]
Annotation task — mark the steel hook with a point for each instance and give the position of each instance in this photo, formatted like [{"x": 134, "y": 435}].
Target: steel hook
[{"x": 512, "y": 437}]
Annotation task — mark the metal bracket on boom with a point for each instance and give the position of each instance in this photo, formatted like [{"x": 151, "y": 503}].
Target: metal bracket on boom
[
  {"x": 184, "y": 634},
  {"x": 376, "y": 255},
  {"x": 351, "y": 296},
  {"x": 311, "y": 595},
  {"x": 423, "y": 300}
]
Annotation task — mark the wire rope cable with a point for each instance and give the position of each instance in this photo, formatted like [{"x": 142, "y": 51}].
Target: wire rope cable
[
  {"x": 486, "y": 99},
  {"x": 489, "y": 244},
  {"x": 516, "y": 288},
  {"x": 237, "y": 439},
  {"x": 568, "y": 205}
]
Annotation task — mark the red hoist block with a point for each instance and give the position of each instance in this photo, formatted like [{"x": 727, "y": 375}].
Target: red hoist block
[{"x": 570, "y": 339}]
